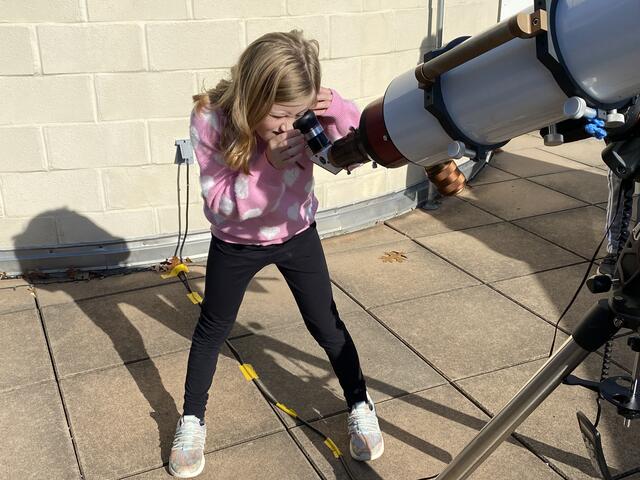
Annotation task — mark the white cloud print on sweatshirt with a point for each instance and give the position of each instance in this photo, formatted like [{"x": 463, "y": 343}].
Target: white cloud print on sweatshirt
[
  {"x": 206, "y": 183},
  {"x": 269, "y": 233},
  {"x": 290, "y": 176},
  {"x": 293, "y": 212},
  {"x": 251, "y": 213},
  {"x": 241, "y": 186},
  {"x": 226, "y": 205}
]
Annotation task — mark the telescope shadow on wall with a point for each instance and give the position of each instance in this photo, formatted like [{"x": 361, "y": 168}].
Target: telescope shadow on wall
[{"x": 558, "y": 283}]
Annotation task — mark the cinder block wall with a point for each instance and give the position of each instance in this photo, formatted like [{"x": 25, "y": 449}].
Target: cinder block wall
[
  {"x": 468, "y": 17},
  {"x": 95, "y": 92}
]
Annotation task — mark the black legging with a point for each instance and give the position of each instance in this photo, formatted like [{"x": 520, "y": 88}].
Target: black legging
[{"x": 230, "y": 268}]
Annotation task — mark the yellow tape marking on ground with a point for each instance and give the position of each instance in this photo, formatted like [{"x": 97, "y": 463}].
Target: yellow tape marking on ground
[
  {"x": 333, "y": 447},
  {"x": 248, "y": 372},
  {"x": 287, "y": 410},
  {"x": 181, "y": 267},
  {"x": 194, "y": 297}
]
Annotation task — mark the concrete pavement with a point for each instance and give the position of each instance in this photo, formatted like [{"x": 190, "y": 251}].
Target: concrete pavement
[{"x": 92, "y": 373}]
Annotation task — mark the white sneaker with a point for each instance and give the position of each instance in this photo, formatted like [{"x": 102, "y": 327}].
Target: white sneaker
[
  {"x": 187, "y": 453},
  {"x": 365, "y": 438}
]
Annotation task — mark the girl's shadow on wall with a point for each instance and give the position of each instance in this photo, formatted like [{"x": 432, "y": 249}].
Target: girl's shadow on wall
[{"x": 69, "y": 308}]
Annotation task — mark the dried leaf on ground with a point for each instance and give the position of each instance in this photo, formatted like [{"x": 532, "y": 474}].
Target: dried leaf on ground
[
  {"x": 168, "y": 265},
  {"x": 394, "y": 256}
]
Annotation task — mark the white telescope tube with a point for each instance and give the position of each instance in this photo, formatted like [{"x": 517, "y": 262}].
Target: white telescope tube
[{"x": 507, "y": 91}]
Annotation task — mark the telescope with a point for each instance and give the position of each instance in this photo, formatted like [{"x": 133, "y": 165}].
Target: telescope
[{"x": 558, "y": 64}]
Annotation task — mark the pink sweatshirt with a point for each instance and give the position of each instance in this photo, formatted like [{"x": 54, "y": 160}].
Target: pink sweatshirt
[{"x": 268, "y": 205}]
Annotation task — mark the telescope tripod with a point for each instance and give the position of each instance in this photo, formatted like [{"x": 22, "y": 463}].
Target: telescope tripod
[{"x": 599, "y": 326}]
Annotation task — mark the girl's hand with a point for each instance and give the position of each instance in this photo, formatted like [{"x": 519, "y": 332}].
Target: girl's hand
[
  {"x": 323, "y": 100},
  {"x": 285, "y": 149}
]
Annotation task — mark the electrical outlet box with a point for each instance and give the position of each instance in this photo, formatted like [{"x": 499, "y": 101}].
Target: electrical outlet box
[{"x": 184, "y": 152}]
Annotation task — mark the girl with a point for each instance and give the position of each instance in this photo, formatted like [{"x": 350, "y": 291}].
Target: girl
[{"x": 257, "y": 186}]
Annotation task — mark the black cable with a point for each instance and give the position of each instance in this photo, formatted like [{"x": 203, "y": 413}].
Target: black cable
[
  {"x": 627, "y": 474},
  {"x": 175, "y": 253},
  {"x": 586, "y": 273},
  {"x": 575, "y": 295},
  {"x": 186, "y": 214}
]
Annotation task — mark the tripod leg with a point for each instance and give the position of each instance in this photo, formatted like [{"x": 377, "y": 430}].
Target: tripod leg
[{"x": 594, "y": 330}]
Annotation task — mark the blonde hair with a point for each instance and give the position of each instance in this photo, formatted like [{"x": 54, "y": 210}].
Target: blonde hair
[{"x": 278, "y": 67}]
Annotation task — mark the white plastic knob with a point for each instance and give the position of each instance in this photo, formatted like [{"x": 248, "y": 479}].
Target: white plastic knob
[
  {"x": 576, "y": 107},
  {"x": 614, "y": 119}
]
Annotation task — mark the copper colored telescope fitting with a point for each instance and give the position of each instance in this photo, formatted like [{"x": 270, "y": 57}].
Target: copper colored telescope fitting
[{"x": 447, "y": 178}]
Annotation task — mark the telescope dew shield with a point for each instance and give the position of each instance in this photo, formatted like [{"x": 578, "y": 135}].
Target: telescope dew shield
[
  {"x": 370, "y": 141},
  {"x": 376, "y": 138}
]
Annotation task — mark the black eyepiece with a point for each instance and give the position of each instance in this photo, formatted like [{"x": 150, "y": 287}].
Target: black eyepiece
[{"x": 313, "y": 132}]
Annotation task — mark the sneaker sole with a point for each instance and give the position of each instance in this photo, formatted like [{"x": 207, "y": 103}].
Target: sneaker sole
[
  {"x": 369, "y": 458},
  {"x": 191, "y": 475}
]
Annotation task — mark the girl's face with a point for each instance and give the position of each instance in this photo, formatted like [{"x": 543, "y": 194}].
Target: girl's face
[{"x": 281, "y": 117}]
